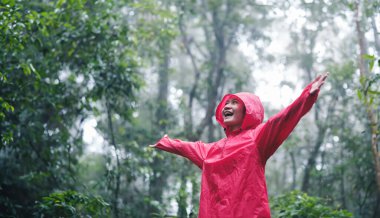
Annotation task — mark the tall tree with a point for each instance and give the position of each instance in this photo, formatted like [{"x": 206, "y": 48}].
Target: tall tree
[
  {"x": 306, "y": 35},
  {"x": 217, "y": 24},
  {"x": 367, "y": 93}
]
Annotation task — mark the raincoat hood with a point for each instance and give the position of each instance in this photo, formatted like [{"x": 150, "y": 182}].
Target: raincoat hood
[{"x": 254, "y": 110}]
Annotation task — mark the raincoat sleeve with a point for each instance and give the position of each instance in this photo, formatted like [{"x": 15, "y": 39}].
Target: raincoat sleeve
[
  {"x": 278, "y": 128},
  {"x": 194, "y": 151}
]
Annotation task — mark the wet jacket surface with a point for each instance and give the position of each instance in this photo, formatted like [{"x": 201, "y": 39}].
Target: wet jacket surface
[{"x": 233, "y": 168}]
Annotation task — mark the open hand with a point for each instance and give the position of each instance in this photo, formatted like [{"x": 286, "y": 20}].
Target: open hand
[
  {"x": 152, "y": 146},
  {"x": 318, "y": 82}
]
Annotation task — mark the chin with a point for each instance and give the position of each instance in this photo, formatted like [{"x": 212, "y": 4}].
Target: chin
[{"x": 229, "y": 123}]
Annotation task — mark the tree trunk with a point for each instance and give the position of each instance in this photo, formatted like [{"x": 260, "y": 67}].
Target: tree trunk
[
  {"x": 320, "y": 138},
  {"x": 158, "y": 180},
  {"x": 182, "y": 194},
  {"x": 317, "y": 145},
  {"x": 294, "y": 170},
  {"x": 363, "y": 66},
  {"x": 342, "y": 181},
  {"x": 219, "y": 38},
  {"x": 375, "y": 34},
  {"x": 312, "y": 160},
  {"x": 116, "y": 189},
  {"x": 197, "y": 73},
  {"x": 194, "y": 195},
  {"x": 214, "y": 80},
  {"x": 371, "y": 113}
]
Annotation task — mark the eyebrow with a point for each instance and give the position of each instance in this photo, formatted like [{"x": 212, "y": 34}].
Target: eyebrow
[{"x": 232, "y": 99}]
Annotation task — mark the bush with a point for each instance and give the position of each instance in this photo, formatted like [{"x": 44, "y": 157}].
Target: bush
[
  {"x": 297, "y": 204},
  {"x": 72, "y": 204}
]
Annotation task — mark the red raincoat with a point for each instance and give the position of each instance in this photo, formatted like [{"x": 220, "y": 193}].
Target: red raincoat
[{"x": 233, "y": 168}]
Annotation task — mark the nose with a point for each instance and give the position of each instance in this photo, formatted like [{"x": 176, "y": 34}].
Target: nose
[{"x": 227, "y": 106}]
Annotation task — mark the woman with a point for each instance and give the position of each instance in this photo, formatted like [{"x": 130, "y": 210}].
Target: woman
[{"x": 233, "y": 168}]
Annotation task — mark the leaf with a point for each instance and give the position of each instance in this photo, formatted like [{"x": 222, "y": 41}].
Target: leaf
[
  {"x": 60, "y": 3},
  {"x": 38, "y": 76},
  {"x": 371, "y": 59},
  {"x": 26, "y": 69},
  {"x": 368, "y": 57},
  {"x": 32, "y": 68},
  {"x": 373, "y": 92},
  {"x": 371, "y": 64},
  {"x": 360, "y": 94},
  {"x": 362, "y": 80},
  {"x": 9, "y": 2},
  {"x": 3, "y": 77},
  {"x": 7, "y": 106}
]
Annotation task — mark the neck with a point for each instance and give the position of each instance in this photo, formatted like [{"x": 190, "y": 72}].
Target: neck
[
  {"x": 234, "y": 128},
  {"x": 231, "y": 131}
]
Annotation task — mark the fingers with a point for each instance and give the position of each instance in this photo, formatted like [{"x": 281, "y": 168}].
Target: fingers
[
  {"x": 325, "y": 75},
  {"x": 318, "y": 82},
  {"x": 317, "y": 78},
  {"x": 153, "y": 146},
  {"x": 320, "y": 85},
  {"x": 321, "y": 77}
]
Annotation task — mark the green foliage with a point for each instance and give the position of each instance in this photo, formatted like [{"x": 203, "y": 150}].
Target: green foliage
[
  {"x": 371, "y": 59},
  {"x": 58, "y": 62},
  {"x": 297, "y": 204},
  {"x": 63, "y": 61},
  {"x": 346, "y": 171},
  {"x": 369, "y": 91},
  {"x": 155, "y": 34},
  {"x": 6, "y": 136},
  {"x": 72, "y": 204}
]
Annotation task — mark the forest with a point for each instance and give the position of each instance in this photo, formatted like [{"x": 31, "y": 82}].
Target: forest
[{"x": 87, "y": 85}]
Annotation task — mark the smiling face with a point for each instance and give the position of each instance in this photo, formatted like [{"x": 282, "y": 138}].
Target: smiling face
[{"x": 233, "y": 113}]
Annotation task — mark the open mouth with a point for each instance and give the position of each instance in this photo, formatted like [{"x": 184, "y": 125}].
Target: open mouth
[{"x": 228, "y": 113}]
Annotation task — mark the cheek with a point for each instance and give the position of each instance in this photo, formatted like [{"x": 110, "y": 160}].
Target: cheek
[
  {"x": 241, "y": 113},
  {"x": 242, "y": 110}
]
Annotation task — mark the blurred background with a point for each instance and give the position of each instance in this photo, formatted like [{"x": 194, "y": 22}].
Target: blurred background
[{"x": 87, "y": 85}]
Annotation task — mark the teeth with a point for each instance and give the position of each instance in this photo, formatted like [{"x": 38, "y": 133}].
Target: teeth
[{"x": 227, "y": 113}]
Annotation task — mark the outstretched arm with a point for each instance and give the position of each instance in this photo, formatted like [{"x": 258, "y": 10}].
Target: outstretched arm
[
  {"x": 194, "y": 151},
  {"x": 271, "y": 134}
]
